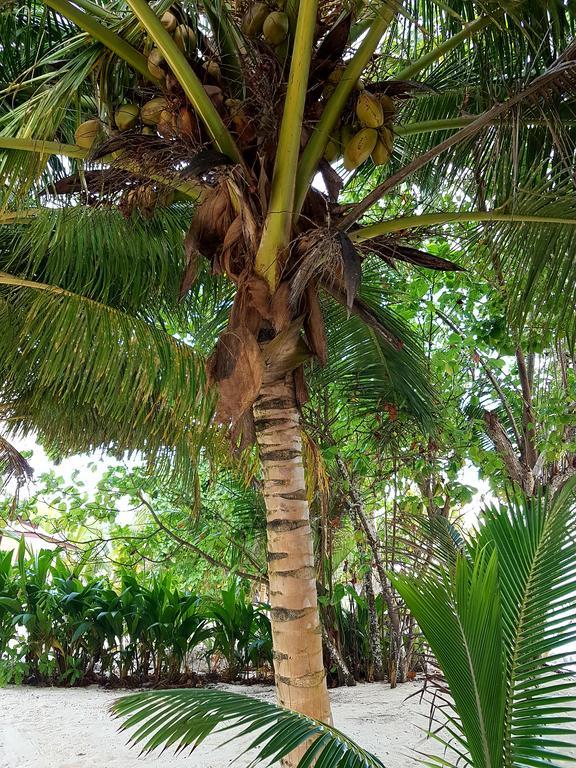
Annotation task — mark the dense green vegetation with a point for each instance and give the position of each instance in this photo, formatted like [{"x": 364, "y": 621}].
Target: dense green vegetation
[
  {"x": 480, "y": 608},
  {"x": 60, "y": 626},
  {"x": 296, "y": 385}
]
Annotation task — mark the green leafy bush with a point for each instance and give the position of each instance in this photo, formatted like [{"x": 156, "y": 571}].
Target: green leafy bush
[{"x": 61, "y": 627}]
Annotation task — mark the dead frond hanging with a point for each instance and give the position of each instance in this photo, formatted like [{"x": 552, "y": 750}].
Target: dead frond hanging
[{"x": 328, "y": 256}]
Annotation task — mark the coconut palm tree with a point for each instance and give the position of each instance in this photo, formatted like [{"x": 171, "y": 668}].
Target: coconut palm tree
[{"x": 232, "y": 118}]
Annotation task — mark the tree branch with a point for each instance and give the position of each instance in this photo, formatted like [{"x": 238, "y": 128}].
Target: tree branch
[
  {"x": 212, "y": 560},
  {"x": 518, "y": 473},
  {"x": 356, "y": 507}
]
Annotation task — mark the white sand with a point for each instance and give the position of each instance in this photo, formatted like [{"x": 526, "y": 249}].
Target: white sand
[{"x": 71, "y": 728}]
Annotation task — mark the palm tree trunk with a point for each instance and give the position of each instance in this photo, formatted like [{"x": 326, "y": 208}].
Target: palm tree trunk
[{"x": 296, "y": 631}]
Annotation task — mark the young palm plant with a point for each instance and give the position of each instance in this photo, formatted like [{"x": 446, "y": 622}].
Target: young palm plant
[
  {"x": 499, "y": 613},
  {"x": 208, "y": 125}
]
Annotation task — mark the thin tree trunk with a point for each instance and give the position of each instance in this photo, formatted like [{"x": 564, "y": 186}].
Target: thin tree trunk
[
  {"x": 377, "y": 670},
  {"x": 345, "y": 677},
  {"x": 396, "y": 662},
  {"x": 332, "y": 647},
  {"x": 374, "y": 669},
  {"x": 410, "y": 640},
  {"x": 296, "y": 632},
  {"x": 529, "y": 453}
]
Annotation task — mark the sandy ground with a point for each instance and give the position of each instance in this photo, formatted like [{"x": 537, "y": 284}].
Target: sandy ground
[{"x": 59, "y": 728}]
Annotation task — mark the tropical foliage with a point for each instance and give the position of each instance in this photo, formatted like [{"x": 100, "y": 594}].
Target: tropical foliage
[
  {"x": 498, "y": 611},
  {"x": 182, "y": 719},
  {"x": 62, "y": 626}
]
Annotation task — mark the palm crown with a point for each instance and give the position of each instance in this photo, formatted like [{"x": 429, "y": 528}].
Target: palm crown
[{"x": 213, "y": 105}]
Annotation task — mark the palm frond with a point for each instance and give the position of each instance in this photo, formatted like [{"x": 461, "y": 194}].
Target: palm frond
[
  {"x": 499, "y": 618},
  {"x": 113, "y": 380},
  {"x": 375, "y": 359},
  {"x": 462, "y": 607},
  {"x": 521, "y": 73},
  {"x": 13, "y": 466},
  {"x": 51, "y": 113},
  {"x": 184, "y": 719},
  {"x": 536, "y": 547}
]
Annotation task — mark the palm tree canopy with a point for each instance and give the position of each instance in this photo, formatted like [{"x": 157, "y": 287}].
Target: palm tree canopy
[{"x": 125, "y": 237}]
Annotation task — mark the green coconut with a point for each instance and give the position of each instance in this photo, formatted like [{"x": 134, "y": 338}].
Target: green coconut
[
  {"x": 185, "y": 38},
  {"x": 169, "y": 21},
  {"x": 254, "y": 19},
  {"x": 276, "y": 27},
  {"x": 126, "y": 116},
  {"x": 151, "y": 111},
  {"x": 87, "y": 133},
  {"x": 156, "y": 64}
]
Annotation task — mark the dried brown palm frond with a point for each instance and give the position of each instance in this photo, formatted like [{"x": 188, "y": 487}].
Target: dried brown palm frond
[
  {"x": 391, "y": 249},
  {"x": 13, "y": 466},
  {"x": 237, "y": 367},
  {"x": 326, "y": 255}
]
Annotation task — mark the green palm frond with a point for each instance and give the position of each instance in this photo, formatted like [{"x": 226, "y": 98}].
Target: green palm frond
[
  {"x": 51, "y": 112},
  {"x": 525, "y": 242},
  {"x": 113, "y": 379},
  {"x": 538, "y": 260},
  {"x": 461, "y": 607},
  {"x": 370, "y": 368},
  {"x": 517, "y": 26},
  {"x": 536, "y": 549},
  {"x": 499, "y": 618},
  {"x": 247, "y": 512},
  {"x": 53, "y": 73},
  {"x": 133, "y": 264},
  {"x": 183, "y": 719}
]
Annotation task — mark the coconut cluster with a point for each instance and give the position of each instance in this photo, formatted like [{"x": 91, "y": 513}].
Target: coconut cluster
[
  {"x": 151, "y": 118},
  {"x": 365, "y": 132},
  {"x": 272, "y": 24},
  {"x": 162, "y": 115},
  {"x": 369, "y": 134}
]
